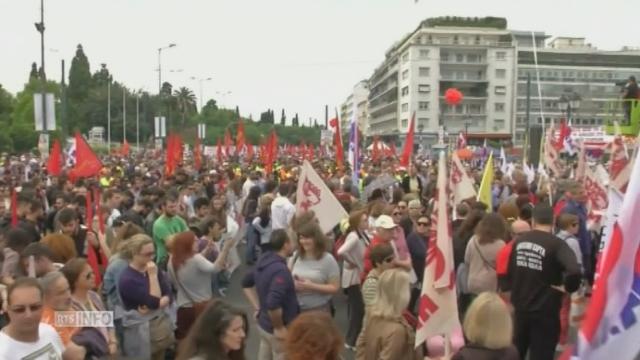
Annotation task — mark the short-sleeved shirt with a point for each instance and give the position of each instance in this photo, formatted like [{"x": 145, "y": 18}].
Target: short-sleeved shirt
[
  {"x": 47, "y": 347},
  {"x": 164, "y": 227},
  {"x": 319, "y": 271}
]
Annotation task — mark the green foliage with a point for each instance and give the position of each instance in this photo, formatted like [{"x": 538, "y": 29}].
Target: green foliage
[
  {"x": 79, "y": 77},
  {"x": 25, "y": 138},
  {"x": 185, "y": 103},
  {"x": 283, "y": 119},
  {"x": 33, "y": 74},
  {"x": 267, "y": 117}
]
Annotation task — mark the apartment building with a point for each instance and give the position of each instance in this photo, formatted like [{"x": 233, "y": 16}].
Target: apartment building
[{"x": 358, "y": 100}]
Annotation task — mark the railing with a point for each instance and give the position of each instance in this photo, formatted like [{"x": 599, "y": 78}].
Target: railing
[{"x": 626, "y": 113}]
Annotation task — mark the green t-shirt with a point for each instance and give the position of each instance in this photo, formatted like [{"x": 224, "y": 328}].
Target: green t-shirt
[{"x": 164, "y": 227}]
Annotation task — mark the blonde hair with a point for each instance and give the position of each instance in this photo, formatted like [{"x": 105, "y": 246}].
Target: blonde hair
[
  {"x": 132, "y": 246},
  {"x": 488, "y": 322},
  {"x": 393, "y": 294}
]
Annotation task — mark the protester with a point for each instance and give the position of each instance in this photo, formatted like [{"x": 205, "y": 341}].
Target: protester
[
  {"x": 191, "y": 274},
  {"x": 417, "y": 243},
  {"x": 145, "y": 293},
  {"x": 313, "y": 335},
  {"x": 219, "y": 333},
  {"x": 262, "y": 223},
  {"x": 16, "y": 241},
  {"x": 168, "y": 224},
  {"x": 386, "y": 334},
  {"x": 315, "y": 271},
  {"x": 382, "y": 259},
  {"x": 481, "y": 252},
  {"x": 271, "y": 291},
  {"x": 541, "y": 268},
  {"x": 61, "y": 246},
  {"x": 282, "y": 210},
  {"x": 352, "y": 253},
  {"x": 25, "y": 337},
  {"x": 37, "y": 260},
  {"x": 488, "y": 329}
]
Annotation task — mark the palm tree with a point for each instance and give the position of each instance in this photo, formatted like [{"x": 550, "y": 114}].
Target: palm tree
[{"x": 185, "y": 101}]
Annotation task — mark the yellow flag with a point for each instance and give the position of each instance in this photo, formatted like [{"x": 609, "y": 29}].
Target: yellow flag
[{"x": 484, "y": 193}]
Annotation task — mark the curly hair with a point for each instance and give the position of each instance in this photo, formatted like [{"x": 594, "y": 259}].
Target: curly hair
[{"x": 313, "y": 335}]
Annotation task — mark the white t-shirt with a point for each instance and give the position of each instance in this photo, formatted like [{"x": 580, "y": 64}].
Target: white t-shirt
[{"x": 48, "y": 347}]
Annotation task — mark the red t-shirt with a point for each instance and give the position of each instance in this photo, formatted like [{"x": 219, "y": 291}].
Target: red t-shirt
[
  {"x": 367, "y": 260},
  {"x": 502, "y": 259}
]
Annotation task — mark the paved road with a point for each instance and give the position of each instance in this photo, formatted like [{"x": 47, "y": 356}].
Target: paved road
[{"x": 236, "y": 297}]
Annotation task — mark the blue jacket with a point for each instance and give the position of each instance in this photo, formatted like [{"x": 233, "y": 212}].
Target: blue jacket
[
  {"x": 584, "y": 237},
  {"x": 274, "y": 285}
]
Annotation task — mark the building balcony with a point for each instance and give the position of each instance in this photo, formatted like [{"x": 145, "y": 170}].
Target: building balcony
[
  {"x": 383, "y": 108},
  {"x": 384, "y": 91},
  {"x": 464, "y": 77}
]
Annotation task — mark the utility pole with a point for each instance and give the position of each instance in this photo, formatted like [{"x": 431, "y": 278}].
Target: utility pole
[
  {"x": 528, "y": 115},
  {"x": 124, "y": 115},
  {"x": 138, "y": 121},
  {"x": 43, "y": 77},
  {"x": 63, "y": 111},
  {"x": 109, "y": 115}
]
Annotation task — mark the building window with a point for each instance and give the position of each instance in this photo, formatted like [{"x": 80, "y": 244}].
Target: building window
[
  {"x": 474, "y": 109},
  {"x": 405, "y": 123},
  {"x": 424, "y": 54},
  {"x": 499, "y": 107},
  {"x": 423, "y": 105},
  {"x": 405, "y": 91},
  {"x": 424, "y": 88},
  {"x": 405, "y": 107},
  {"x": 405, "y": 57},
  {"x": 444, "y": 57},
  {"x": 423, "y": 72},
  {"x": 477, "y": 41},
  {"x": 501, "y": 55},
  {"x": 498, "y": 123},
  {"x": 459, "y": 58},
  {"x": 501, "y": 73},
  {"x": 501, "y": 90},
  {"x": 455, "y": 39},
  {"x": 405, "y": 75},
  {"x": 424, "y": 122},
  {"x": 473, "y": 58}
]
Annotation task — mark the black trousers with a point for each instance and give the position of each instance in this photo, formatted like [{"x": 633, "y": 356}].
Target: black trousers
[
  {"x": 355, "y": 313},
  {"x": 537, "y": 333}
]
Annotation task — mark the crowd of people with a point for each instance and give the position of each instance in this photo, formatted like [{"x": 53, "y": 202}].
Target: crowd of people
[{"x": 160, "y": 251}]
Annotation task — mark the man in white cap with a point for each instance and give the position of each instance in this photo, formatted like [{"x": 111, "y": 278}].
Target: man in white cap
[{"x": 385, "y": 230}]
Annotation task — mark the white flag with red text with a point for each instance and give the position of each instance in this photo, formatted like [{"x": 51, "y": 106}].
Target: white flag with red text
[
  {"x": 598, "y": 199},
  {"x": 459, "y": 182},
  {"x": 313, "y": 194},
  {"x": 438, "y": 309},
  {"x": 611, "y": 328}
]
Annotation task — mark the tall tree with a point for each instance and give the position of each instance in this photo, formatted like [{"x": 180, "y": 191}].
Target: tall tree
[
  {"x": 237, "y": 112},
  {"x": 101, "y": 77},
  {"x": 283, "y": 118},
  {"x": 186, "y": 103},
  {"x": 33, "y": 74},
  {"x": 79, "y": 77}
]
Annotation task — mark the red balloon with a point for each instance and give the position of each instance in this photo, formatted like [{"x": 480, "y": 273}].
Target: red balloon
[{"x": 453, "y": 96}]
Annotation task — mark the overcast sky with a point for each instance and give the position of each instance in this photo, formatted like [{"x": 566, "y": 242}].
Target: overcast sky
[{"x": 296, "y": 54}]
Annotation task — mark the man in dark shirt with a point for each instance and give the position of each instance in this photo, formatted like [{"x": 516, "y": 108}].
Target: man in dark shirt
[
  {"x": 541, "y": 268},
  {"x": 270, "y": 289},
  {"x": 630, "y": 93},
  {"x": 30, "y": 222}
]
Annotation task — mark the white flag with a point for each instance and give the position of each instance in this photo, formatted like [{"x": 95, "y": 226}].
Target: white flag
[
  {"x": 438, "y": 310},
  {"x": 459, "y": 182},
  {"x": 313, "y": 194},
  {"x": 503, "y": 160}
]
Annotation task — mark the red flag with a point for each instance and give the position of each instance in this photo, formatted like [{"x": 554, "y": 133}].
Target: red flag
[
  {"x": 311, "y": 151},
  {"x": 197, "y": 155},
  {"x": 87, "y": 162},
  {"x": 272, "y": 151},
  {"x": 169, "y": 165},
  {"x": 219, "y": 151},
  {"x": 337, "y": 139},
  {"x": 565, "y": 132},
  {"x": 249, "y": 152},
  {"x": 124, "y": 151},
  {"x": 408, "y": 143},
  {"x": 14, "y": 208},
  {"x": 54, "y": 163},
  {"x": 375, "y": 154},
  {"x": 240, "y": 140},
  {"x": 101, "y": 221},
  {"x": 89, "y": 211},
  {"x": 227, "y": 142}
]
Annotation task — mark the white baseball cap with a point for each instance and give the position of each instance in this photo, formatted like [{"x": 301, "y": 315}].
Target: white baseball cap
[{"x": 385, "y": 222}]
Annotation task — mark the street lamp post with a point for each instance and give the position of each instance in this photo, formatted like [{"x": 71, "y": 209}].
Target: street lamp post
[
  {"x": 43, "y": 77},
  {"x": 160, "y": 64},
  {"x": 200, "y": 81},
  {"x": 569, "y": 103}
]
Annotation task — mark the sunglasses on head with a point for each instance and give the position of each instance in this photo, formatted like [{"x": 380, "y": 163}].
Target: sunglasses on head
[{"x": 22, "y": 309}]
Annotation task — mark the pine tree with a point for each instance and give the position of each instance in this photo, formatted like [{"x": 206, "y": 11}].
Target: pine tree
[
  {"x": 79, "y": 77},
  {"x": 33, "y": 75},
  {"x": 283, "y": 118}
]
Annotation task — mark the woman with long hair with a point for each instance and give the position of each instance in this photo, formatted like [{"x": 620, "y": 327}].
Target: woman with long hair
[
  {"x": 249, "y": 212},
  {"x": 313, "y": 336},
  {"x": 145, "y": 294},
  {"x": 81, "y": 283},
  {"x": 464, "y": 233},
  {"x": 488, "y": 328},
  {"x": 387, "y": 335},
  {"x": 315, "y": 271},
  {"x": 352, "y": 252},
  {"x": 262, "y": 223},
  {"x": 191, "y": 274},
  {"x": 219, "y": 333},
  {"x": 480, "y": 255}
]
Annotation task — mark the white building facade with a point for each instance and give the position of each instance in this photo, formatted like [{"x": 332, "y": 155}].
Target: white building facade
[{"x": 358, "y": 100}]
